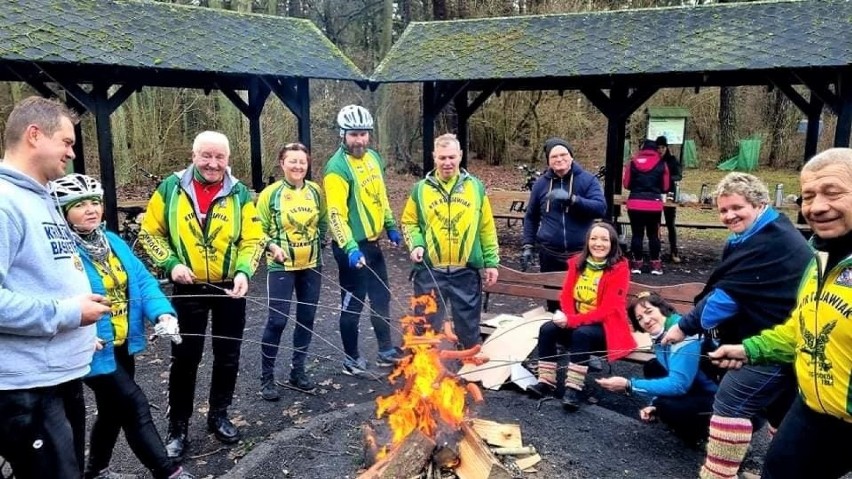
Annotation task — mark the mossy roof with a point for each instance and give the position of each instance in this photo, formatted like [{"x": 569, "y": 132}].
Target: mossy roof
[
  {"x": 713, "y": 38},
  {"x": 162, "y": 36}
]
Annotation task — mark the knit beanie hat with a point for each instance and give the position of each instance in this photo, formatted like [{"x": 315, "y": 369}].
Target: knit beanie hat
[
  {"x": 649, "y": 145},
  {"x": 552, "y": 143},
  {"x": 661, "y": 141}
]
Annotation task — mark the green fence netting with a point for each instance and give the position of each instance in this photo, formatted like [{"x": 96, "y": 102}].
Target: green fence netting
[
  {"x": 746, "y": 159},
  {"x": 690, "y": 154}
]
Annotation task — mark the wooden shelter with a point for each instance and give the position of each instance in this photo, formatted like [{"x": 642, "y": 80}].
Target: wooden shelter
[
  {"x": 98, "y": 52},
  {"x": 619, "y": 59}
]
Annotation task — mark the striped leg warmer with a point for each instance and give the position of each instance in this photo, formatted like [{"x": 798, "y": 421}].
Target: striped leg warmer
[
  {"x": 726, "y": 447},
  {"x": 547, "y": 372},
  {"x": 575, "y": 377}
]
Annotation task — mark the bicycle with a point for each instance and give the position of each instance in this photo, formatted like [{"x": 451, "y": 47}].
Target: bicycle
[
  {"x": 132, "y": 226},
  {"x": 530, "y": 176}
]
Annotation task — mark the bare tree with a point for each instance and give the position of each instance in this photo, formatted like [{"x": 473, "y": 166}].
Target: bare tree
[{"x": 439, "y": 9}]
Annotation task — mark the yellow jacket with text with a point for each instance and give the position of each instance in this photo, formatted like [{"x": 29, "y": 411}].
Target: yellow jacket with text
[
  {"x": 452, "y": 221},
  {"x": 230, "y": 240},
  {"x": 816, "y": 338},
  {"x": 295, "y": 219}
]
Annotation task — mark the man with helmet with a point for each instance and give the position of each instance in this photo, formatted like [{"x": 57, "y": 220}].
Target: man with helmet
[
  {"x": 46, "y": 344},
  {"x": 359, "y": 211},
  {"x": 202, "y": 228}
]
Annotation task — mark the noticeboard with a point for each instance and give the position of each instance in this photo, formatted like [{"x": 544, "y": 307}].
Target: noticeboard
[{"x": 671, "y": 128}]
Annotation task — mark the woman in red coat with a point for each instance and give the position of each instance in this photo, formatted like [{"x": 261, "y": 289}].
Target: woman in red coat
[{"x": 593, "y": 316}]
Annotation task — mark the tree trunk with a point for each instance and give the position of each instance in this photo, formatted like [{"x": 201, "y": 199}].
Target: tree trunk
[
  {"x": 778, "y": 121},
  {"x": 462, "y": 9},
  {"x": 387, "y": 26},
  {"x": 405, "y": 12},
  {"x": 242, "y": 6},
  {"x": 220, "y": 4},
  {"x": 272, "y": 7},
  {"x": 294, "y": 8},
  {"x": 728, "y": 141},
  {"x": 439, "y": 9}
]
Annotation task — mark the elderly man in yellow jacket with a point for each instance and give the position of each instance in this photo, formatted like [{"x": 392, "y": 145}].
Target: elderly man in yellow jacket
[
  {"x": 201, "y": 226},
  {"x": 451, "y": 235},
  {"x": 812, "y": 441}
]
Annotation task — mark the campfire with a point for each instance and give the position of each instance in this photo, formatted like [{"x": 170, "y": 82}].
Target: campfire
[{"x": 428, "y": 414}]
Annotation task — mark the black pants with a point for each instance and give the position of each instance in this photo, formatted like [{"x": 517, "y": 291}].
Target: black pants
[
  {"x": 581, "y": 342},
  {"x": 644, "y": 223},
  {"x": 122, "y": 405},
  {"x": 808, "y": 444},
  {"x": 688, "y": 415},
  {"x": 462, "y": 289},
  {"x": 43, "y": 431},
  {"x": 228, "y": 321},
  {"x": 356, "y": 284},
  {"x": 550, "y": 260},
  {"x": 669, "y": 213},
  {"x": 280, "y": 286}
]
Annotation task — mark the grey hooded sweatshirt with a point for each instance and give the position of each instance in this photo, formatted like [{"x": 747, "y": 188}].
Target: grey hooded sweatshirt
[{"x": 41, "y": 341}]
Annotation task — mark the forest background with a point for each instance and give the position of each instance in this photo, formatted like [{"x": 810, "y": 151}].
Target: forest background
[{"x": 155, "y": 127}]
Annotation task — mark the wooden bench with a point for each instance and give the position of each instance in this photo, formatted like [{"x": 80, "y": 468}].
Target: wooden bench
[
  {"x": 547, "y": 286},
  {"x": 509, "y": 205}
]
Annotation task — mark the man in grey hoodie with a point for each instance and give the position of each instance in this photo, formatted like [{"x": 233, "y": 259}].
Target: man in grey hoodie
[{"x": 46, "y": 305}]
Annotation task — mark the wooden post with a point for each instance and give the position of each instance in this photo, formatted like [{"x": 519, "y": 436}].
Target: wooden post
[
  {"x": 257, "y": 95},
  {"x": 615, "y": 132},
  {"x": 303, "y": 92},
  {"x": 429, "y": 112},
  {"x": 462, "y": 129},
  {"x": 814, "y": 117},
  {"x": 105, "y": 156},
  {"x": 844, "y": 110}
]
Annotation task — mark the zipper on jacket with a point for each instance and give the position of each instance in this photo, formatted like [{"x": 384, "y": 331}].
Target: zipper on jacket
[{"x": 564, "y": 231}]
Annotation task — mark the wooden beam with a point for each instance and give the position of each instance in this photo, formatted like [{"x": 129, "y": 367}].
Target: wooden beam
[
  {"x": 446, "y": 92},
  {"x": 100, "y": 102},
  {"x": 303, "y": 95},
  {"x": 257, "y": 95},
  {"x": 237, "y": 101},
  {"x": 463, "y": 128},
  {"x": 822, "y": 91},
  {"x": 843, "y": 130},
  {"x": 599, "y": 99},
  {"x": 429, "y": 112},
  {"x": 615, "y": 133},
  {"x": 814, "y": 113},
  {"x": 477, "y": 461},
  {"x": 636, "y": 99},
  {"x": 480, "y": 99},
  {"x": 794, "y": 96},
  {"x": 286, "y": 92}
]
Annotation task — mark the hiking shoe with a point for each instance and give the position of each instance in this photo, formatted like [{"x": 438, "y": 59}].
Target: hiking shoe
[
  {"x": 299, "y": 380},
  {"x": 635, "y": 267},
  {"x": 354, "y": 367},
  {"x": 572, "y": 399},
  {"x": 541, "y": 390},
  {"x": 657, "y": 267},
  {"x": 268, "y": 390},
  {"x": 388, "y": 358}
]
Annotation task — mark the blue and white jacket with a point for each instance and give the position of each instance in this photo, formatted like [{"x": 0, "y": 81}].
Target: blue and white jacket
[{"x": 146, "y": 301}]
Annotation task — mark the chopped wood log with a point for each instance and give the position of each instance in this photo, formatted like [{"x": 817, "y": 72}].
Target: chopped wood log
[
  {"x": 525, "y": 463},
  {"x": 498, "y": 434},
  {"x": 447, "y": 450},
  {"x": 477, "y": 461},
  {"x": 408, "y": 459},
  {"x": 371, "y": 447},
  {"x": 514, "y": 451}
]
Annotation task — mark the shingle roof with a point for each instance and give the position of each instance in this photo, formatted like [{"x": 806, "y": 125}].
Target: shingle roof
[
  {"x": 145, "y": 34},
  {"x": 713, "y": 38}
]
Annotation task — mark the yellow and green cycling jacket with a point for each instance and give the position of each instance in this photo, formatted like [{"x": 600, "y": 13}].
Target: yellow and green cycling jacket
[
  {"x": 452, "y": 221},
  {"x": 296, "y": 220},
  {"x": 231, "y": 239},
  {"x": 358, "y": 206},
  {"x": 816, "y": 338}
]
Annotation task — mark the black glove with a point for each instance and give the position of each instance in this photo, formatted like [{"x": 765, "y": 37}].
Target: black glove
[{"x": 526, "y": 257}]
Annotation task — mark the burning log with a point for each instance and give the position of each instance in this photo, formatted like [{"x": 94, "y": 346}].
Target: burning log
[
  {"x": 406, "y": 460},
  {"x": 371, "y": 447},
  {"x": 447, "y": 452},
  {"x": 477, "y": 460}
]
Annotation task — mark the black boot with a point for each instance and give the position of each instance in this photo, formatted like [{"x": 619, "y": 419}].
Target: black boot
[
  {"x": 222, "y": 427},
  {"x": 572, "y": 400},
  {"x": 177, "y": 440},
  {"x": 540, "y": 390},
  {"x": 269, "y": 390},
  {"x": 300, "y": 380}
]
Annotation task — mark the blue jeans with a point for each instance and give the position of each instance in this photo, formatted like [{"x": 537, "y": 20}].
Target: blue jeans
[
  {"x": 580, "y": 342},
  {"x": 280, "y": 286},
  {"x": 43, "y": 431},
  {"x": 356, "y": 284},
  {"x": 462, "y": 289},
  {"x": 808, "y": 444},
  {"x": 754, "y": 390}
]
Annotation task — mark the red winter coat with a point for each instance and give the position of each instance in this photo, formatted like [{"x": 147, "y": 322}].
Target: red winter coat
[{"x": 611, "y": 308}]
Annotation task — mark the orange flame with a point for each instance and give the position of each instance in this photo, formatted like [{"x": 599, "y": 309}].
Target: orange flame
[{"x": 429, "y": 396}]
